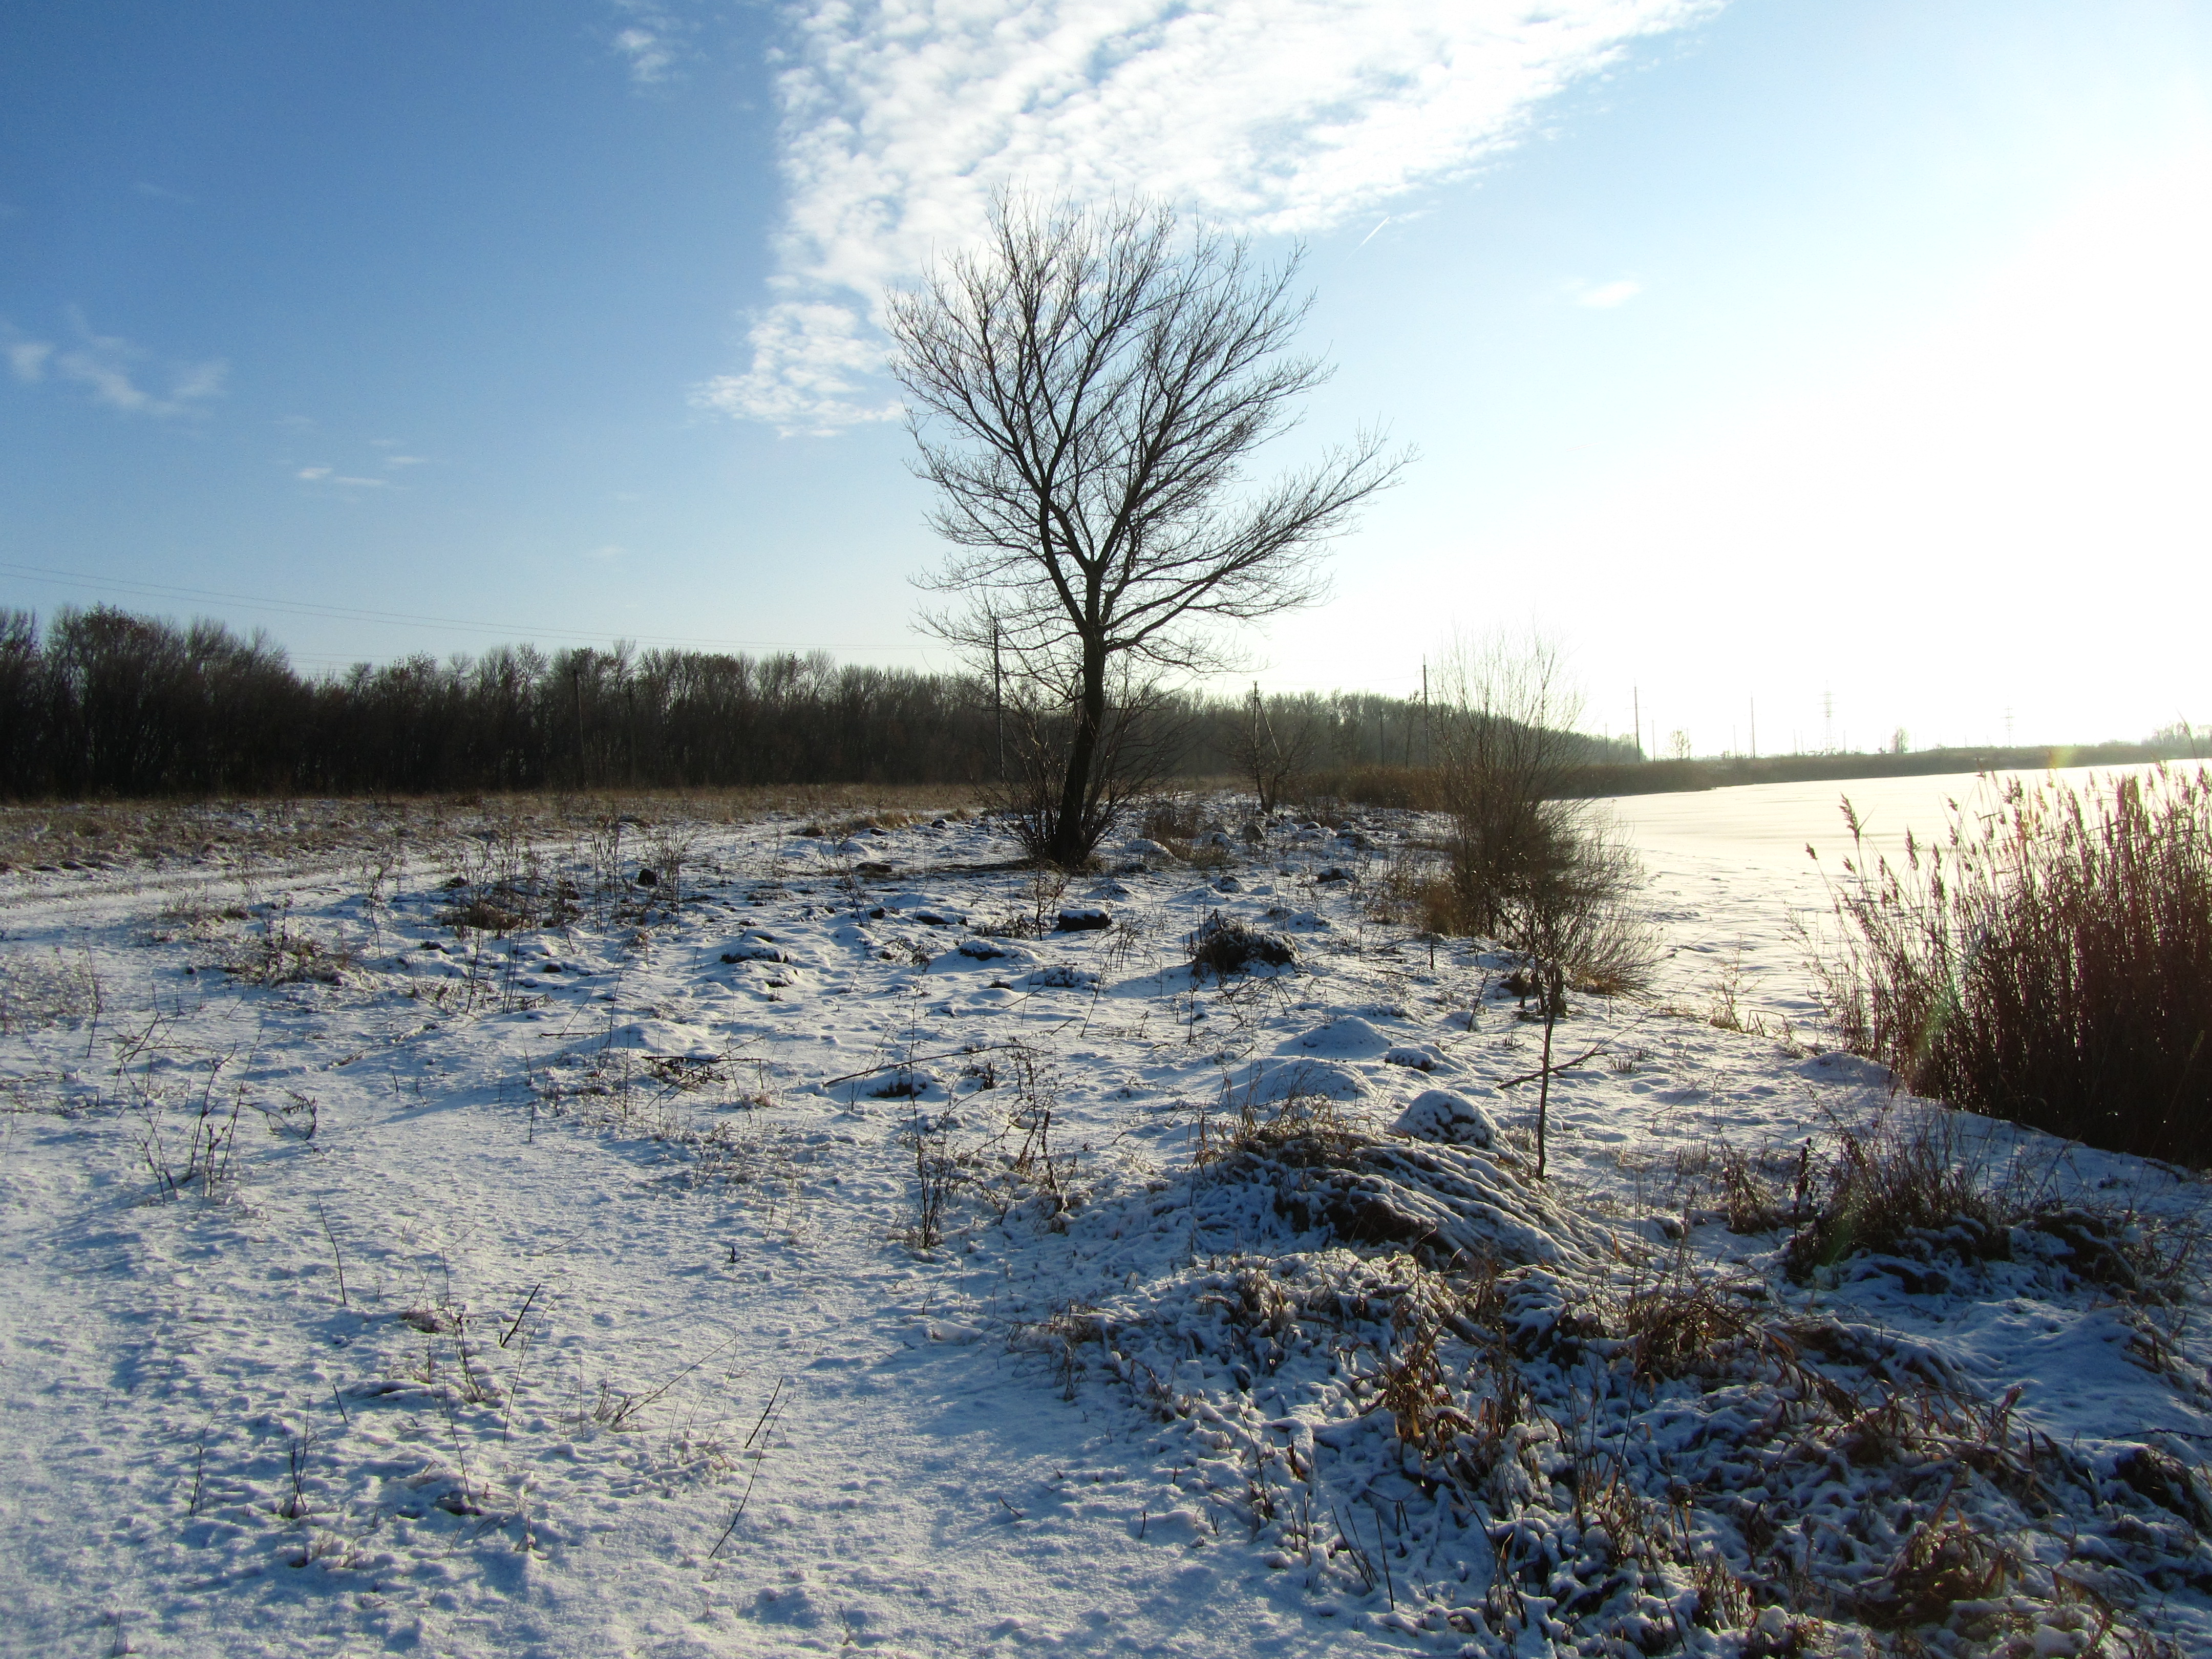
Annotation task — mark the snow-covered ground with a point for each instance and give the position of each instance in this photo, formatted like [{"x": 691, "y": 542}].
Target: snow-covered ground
[{"x": 470, "y": 1249}]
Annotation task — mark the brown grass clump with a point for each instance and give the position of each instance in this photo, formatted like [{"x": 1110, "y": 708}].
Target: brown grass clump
[
  {"x": 2049, "y": 962},
  {"x": 1906, "y": 1173},
  {"x": 1221, "y": 946},
  {"x": 1171, "y": 819}
]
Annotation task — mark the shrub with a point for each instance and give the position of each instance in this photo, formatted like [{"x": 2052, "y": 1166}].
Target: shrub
[
  {"x": 1523, "y": 864},
  {"x": 1172, "y": 819},
  {"x": 2049, "y": 962}
]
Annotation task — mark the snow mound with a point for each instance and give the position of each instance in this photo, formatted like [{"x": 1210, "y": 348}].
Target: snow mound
[
  {"x": 1268, "y": 1083},
  {"x": 902, "y": 1083},
  {"x": 928, "y": 911},
  {"x": 1348, "y": 1036},
  {"x": 980, "y": 949},
  {"x": 1420, "y": 1056},
  {"x": 1058, "y": 976},
  {"x": 1441, "y": 1115},
  {"x": 754, "y": 947},
  {"x": 1085, "y": 918},
  {"x": 1442, "y": 1204},
  {"x": 662, "y": 1036}
]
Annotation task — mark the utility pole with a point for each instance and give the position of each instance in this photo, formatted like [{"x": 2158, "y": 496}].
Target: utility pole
[
  {"x": 1754, "y": 728},
  {"x": 1636, "y": 701},
  {"x": 1428, "y": 730},
  {"x": 1828, "y": 722}
]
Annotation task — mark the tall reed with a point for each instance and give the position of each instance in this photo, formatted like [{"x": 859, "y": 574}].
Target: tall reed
[{"x": 2049, "y": 961}]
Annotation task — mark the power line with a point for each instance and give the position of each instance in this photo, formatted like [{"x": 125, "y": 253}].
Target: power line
[{"x": 399, "y": 618}]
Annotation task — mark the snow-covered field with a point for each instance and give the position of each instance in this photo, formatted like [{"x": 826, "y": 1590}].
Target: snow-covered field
[{"x": 466, "y": 1248}]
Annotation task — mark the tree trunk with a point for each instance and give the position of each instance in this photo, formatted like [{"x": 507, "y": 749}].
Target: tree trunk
[{"x": 1071, "y": 833}]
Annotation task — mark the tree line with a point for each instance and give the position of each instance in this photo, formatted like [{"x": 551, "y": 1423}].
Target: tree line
[{"x": 102, "y": 703}]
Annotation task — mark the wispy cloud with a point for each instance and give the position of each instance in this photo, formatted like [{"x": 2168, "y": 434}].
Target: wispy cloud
[
  {"x": 650, "y": 41},
  {"x": 901, "y": 116},
  {"x": 331, "y": 475},
  {"x": 116, "y": 373},
  {"x": 1606, "y": 295},
  {"x": 28, "y": 359},
  {"x": 163, "y": 193}
]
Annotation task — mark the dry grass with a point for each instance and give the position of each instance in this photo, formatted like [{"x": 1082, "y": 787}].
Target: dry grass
[
  {"x": 1415, "y": 788},
  {"x": 2049, "y": 962},
  {"x": 52, "y": 989},
  {"x": 53, "y": 835},
  {"x": 1909, "y": 1174}
]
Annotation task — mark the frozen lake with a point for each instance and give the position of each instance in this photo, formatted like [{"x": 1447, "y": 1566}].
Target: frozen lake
[
  {"x": 1731, "y": 880},
  {"x": 1768, "y": 825}
]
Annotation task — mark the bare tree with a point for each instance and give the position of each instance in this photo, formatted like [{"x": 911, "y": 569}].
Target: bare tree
[
  {"x": 1271, "y": 760},
  {"x": 1087, "y": 389}
]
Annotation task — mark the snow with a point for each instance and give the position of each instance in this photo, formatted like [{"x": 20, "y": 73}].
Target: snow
[
  {"x": 641, "y": 1347},
  {"x": 1445, "y": 1115}
]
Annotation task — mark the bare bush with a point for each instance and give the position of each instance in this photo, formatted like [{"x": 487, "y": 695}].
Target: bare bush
[{"x": 1272, "y": 756}]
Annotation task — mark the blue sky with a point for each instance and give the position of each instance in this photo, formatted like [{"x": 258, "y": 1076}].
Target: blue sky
[{"x": 1767, "y": 351}]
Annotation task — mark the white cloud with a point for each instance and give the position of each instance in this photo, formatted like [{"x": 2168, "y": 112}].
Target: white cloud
[
  {"x": 104, "y": 365},
  {"x": 405, "y": 460},
  {"x": 28, "y": 359},
  {"x": 161, "y": 193},
  {"x": 1274, "y": 116},
  {"x": 809, "y": 358},
  {"x": 1607, "y": 295},
  {"x": 195, "y": 381},
  {"x": 649, "y": 43},
  {"x": 332, "y": 476}
]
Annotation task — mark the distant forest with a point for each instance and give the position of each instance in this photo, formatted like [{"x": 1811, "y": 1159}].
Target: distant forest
[{"x": 101, "y": 702}]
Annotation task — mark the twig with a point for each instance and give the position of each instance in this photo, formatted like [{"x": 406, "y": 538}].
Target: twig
[
  {"x": 765, "y": 1410},
  {"x": 335, "y": 1255},
  {"x": 916, "y": 1059},
  {"x": 518, "y": 1318},
  {"x": 749, "y": 1482},
  {"x": 199, "y": 1471},
  {"x": 1382, "y": 1549},
  {"x": 1552, "y": 1071}
]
